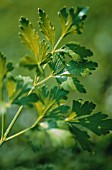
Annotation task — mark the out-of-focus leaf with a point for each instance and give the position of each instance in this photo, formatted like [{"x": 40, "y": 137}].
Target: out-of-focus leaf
[
  {"x": 3, "y": 108},
  {"x": 50, "y": 134},
  {"x": 82, "y": 137},
  {"x": 29, "y": 36},
  {"x": 98, "y": 123},
  {"x": 77, "y": 49},
  {"x": 46, "y": 27},
  {"x": 72, "y": 21},
  {"x": 60, "y": 137},
  {"x": 4, "y": 68},
  {"x": 11, "y": 86},
  {"x": 74, "y": 68},
  {"x": 83, "y": 109},
  {"x": 28, "y": 61},
  {"x": 70, "y": 83}
]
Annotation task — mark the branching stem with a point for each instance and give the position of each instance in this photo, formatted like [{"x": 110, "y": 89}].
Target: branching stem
[{"x": 4, "y": 137}]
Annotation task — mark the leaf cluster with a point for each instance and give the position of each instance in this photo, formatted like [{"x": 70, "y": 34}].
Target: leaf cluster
[{"x": 57, "y": 124}]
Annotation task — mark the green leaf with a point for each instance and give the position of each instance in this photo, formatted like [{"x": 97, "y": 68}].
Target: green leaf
[
  {"x": 3, "y": 107},
  {"x": 72, "y": 83},
  {"x": 50, "y": 135},
  {"x": 97, "y": 123},
  {"x": 46, "y": 27},
  {"x": 77, "y": 49},
  {"x": 43, "y": 51},
  {"x": 83, "y": 108},
  {"x": 72, "y": 21},
  {"x": 18, "y": 88},
  {"x": 42, "y": 58},
  {"x": 27, "y": 100},
  {"x": 57, "y": 62},
  {"x": 82, "y": 137},
  {"x": 10, "y": 84},
  {"x": 74, "y": 68},
  {"x": 4, "y": 68},
  {"x": 29, "y": 36},
  {"x": 58, "y": 112},
  {"x": 29, "y": 62},
  {"x": 49, "y": 100}
]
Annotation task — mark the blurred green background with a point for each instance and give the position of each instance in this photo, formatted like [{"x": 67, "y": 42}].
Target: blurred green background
[{"x": 17, "y": 154}]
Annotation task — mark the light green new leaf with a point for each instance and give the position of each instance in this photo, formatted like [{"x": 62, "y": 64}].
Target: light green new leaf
[
  {"x": 10, "y": 84},
  {"x": 28, "y": 62},
  {"x": 4, "y": 68},
  {"x": 46, "y": 27},
  {"x": 43, "y": 51},
  {"x": 29, "y": 36},
  {"x": 72, "y": 21},
  {"x": 37, "y": 63}
]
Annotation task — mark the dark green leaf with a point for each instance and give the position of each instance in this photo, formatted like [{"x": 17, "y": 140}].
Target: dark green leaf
[
  {"x": 72, "y": 21},
  {"x": 78, "y": 69},
  {"x": 98, "y": 123},
  {"x": 49, "y": 100},
  {"x": 58, "y": 112},
  {"x": 82, "y": 137},
  {"x": 70, "y": 83},
  {"x": 18, "y": 87},
  {"x": 77, "y": 49},
  {"x": 57, "y": 62},
  {"x": 27, "y": 100},
  {"x": 83, "y": 109},
  {"x": 46, "y": 27}
]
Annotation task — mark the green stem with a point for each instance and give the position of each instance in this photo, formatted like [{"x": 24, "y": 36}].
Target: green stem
[
  {"x": 3, "y": 115},
  {"x": 25, "y": 130},
  {"x": 58, "y": 43},
  {"x": 41, "y": 82},
  {"x": 18, "y": 113},
  {"x": 3, "y": 123},
  {"x": 13, "y": 121}
]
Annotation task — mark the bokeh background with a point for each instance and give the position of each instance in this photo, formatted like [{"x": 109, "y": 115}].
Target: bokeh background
[{"x": 97, "y": 35}]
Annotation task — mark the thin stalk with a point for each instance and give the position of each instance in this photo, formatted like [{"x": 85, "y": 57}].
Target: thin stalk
[
  {"x": 13, "y": 121},
  {"x": 41, "y": 82},
  {"x": 3, "y": 115},
  {"x": 58, "y": 43},
  {"x": 3, "y": 124},
  {"x": 25, "y": 130},
  {"x": 35, "y": 123},
  {"x": 19, "y": 111}
]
